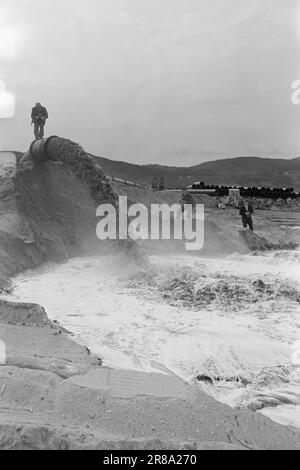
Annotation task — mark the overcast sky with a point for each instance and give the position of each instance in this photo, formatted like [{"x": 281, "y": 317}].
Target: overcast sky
[{"x": 174, "y": 82}]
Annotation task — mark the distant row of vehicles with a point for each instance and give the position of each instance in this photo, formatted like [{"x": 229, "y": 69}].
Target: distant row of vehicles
[
  {"x": 158, "y": 184},
  {"x": 258, "y": 192}
]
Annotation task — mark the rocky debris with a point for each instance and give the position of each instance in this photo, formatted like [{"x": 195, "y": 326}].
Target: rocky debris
[
  {"x": 290, "y": 204},
  {"x": 277, "y": 204},
  {"x": 285, "y": 204}
]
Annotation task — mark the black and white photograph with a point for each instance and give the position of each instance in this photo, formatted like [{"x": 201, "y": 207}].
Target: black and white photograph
[{"x": 149, "y": 228}]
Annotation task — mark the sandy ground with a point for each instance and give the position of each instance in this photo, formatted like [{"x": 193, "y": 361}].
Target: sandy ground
[{"x": 55, "y": 395}]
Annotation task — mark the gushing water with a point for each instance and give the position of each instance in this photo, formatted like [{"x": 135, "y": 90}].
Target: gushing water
[{"x": 228, "y": 324}]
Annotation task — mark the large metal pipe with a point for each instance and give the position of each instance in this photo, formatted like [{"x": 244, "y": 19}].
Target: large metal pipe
[
  {"x": 39, "y": 149},
  {"x": 75, "y": 158},
  {"x": 52, "y": 148}
]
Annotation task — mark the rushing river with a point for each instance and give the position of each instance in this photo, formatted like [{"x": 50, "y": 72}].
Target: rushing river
[{"x": 241, "y": 328}]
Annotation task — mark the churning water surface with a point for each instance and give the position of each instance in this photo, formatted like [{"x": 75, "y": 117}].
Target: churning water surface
[{"x": 235, "y": 320}]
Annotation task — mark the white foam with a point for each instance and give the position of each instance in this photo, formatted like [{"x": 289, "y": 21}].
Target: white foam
[{"x": 130, "y": 331}]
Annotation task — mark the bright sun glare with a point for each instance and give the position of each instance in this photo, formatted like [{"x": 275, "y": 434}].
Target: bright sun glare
[{"x": 8, "y": 43}]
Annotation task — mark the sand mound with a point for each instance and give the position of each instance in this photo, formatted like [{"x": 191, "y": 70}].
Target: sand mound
[
  {"x": 49, "y": 213},
  {"x": 23, "y": 314}
]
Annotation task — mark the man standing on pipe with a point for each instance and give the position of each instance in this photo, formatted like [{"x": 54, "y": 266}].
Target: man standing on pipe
[{"x": 39, "y": 115}]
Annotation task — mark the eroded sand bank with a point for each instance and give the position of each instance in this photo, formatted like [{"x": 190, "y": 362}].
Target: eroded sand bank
[{"x": 54, "y": 395}]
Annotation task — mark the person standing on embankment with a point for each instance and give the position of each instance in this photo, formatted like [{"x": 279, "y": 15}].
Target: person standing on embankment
[
  {"x": 246, "y": 212},
  {"x": 39, "y": 116}
]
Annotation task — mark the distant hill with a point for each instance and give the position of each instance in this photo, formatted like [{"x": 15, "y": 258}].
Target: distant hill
[{"x": 243, "y": 171}]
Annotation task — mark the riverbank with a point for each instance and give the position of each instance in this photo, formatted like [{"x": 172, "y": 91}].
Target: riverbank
[{"x": 55, "y": 395}]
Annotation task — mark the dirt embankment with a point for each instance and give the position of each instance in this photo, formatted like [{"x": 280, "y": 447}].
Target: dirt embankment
[{"x": 48, "y": 212}]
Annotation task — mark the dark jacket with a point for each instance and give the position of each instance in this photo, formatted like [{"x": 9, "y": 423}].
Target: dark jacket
[
  {"x": 39, "y": 114},
  {"x": 244, "y": 212}
]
